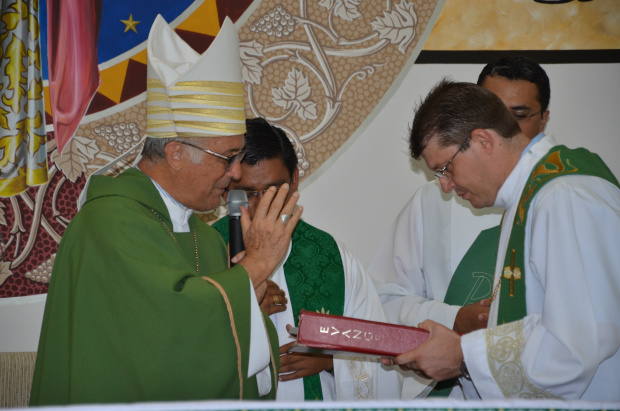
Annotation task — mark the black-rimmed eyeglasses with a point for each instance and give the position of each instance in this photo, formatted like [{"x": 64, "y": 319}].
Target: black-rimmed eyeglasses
[
  {"x": 230, "y": 159},
  {"x": 441, "y": 173}
]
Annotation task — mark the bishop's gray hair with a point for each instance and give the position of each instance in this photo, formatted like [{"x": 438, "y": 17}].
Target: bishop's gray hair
[{"x": 154, "y": 148}]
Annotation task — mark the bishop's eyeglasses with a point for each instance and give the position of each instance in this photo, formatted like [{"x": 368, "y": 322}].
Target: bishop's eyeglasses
[{"x": 231, "y": 160}]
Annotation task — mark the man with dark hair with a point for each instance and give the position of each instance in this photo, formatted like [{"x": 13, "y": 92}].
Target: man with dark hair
[
  {"x": 524, "y": 88},
  {"x": 318, "y": 274},
  {"x": 437, "y": 260},
  {"x": 553, "y": 328}
]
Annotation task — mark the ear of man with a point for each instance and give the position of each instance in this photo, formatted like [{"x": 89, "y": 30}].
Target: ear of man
[
  {"x": 174, "y": 155},
  {"x": 484, "y": 139}
]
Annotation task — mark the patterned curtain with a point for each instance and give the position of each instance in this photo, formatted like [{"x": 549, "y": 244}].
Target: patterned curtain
[{"x": 23, "y": 151}]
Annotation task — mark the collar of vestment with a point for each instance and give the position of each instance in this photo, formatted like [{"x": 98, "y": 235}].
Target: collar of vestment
[
  {"x": 510, "y": 192},
  {"x": 179, "y": 214}
]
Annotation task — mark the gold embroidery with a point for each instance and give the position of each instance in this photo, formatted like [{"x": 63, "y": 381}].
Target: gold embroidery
[
  {"x": 202, "y": 112},
  {"x": 155, "y": 96},
  {"x": 504, "y": 347},
  {"x": 210, "y": 86},
  {"x": 512, "y": 273},
  {"x": 235, "y": 128},
  {"x": 154, "y": 83},
  {"x": 552, "y": 165},
  {"x": 362, "y": 389},
  {"x": 210, "y": 99}
]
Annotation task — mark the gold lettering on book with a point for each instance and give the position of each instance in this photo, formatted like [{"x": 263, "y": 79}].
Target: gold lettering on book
[{"x": 357, "y": 334}]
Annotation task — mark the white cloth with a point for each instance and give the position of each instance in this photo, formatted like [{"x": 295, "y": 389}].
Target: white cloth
[
  {"x": 415, "y": 262},
  {"x": 567, "y": 345},
  {"x": 354, "y": 378}
]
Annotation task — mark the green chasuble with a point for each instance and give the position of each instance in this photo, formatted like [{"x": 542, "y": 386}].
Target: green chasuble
[
  {"x": 315, "y": 279},
  {"x": 559, "y": 161},
  {"x": 127, "y": 316}
]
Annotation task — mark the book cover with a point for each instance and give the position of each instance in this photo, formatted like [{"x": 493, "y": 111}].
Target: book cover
[{"x": 332, "y": 334}]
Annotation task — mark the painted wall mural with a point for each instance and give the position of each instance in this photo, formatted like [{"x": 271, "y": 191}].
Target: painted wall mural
[{"x": 317, "y": 69}]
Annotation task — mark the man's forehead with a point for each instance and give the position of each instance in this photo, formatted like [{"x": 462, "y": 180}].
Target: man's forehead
[
  {"x": 228, "y": 143},
  {"x": 263, "y": 174},
  {"x": 434, "y": 153}
]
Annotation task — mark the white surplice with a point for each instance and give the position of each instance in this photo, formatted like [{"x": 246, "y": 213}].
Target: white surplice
[
  {"x": 415, "y": 262},
  {"x": 567, "y": 345},
  {"x": 354, "y": 378}
]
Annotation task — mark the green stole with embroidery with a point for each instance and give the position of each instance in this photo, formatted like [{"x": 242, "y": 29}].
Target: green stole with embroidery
[
  {"x": 472, "y": 281},
  {"x": 560, "y": 161},
  {"x": 315, "y": 279}
]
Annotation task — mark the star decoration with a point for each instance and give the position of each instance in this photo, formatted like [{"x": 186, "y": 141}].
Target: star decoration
[{"x": 130, "y": 24}]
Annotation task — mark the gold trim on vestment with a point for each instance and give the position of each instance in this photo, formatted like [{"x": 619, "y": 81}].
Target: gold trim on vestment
[
  {"x": 235, "y": 128},
  {"x": 156, "y": 96},
  {"x": 210, "y": 99},
  {"x": 202, "y": 99},
  {"x": 225, "y": 87},
  {"x": 185, "y": 134},
  {"x": 273, "y": 361},
  {"x": 202, "y": 112},
  {"x": 234, "y": 331},
  {"x": 504, "y": 346},
  {"x": 154, "y": 83},
  {"x": 152, "y": 110}
]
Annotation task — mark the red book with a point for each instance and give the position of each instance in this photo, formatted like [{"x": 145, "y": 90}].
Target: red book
[{"x": 333, "y": 334}]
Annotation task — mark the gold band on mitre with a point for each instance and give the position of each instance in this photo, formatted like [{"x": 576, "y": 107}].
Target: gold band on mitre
[{"x": 190, "y": 94}]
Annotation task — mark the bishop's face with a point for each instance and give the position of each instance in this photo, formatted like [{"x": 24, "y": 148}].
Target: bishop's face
[{"x": 207, "y": 180}]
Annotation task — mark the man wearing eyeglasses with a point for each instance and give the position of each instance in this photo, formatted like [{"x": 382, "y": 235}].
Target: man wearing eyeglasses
[
  {"x": 318, "y": 274},
  {"x": 142, "y": 305},
  {"x": 553, "y": 328},
  {"x": 437, "y": 260}
]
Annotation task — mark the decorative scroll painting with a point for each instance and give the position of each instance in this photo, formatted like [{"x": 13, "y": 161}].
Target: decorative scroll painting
[{"x": 317, "y": 69}]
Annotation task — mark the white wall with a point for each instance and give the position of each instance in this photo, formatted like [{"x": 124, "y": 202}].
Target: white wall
[{"x": 357, "y": 196}]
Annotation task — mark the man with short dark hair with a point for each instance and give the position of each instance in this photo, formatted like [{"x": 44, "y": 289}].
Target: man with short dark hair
[
  {"x": 318, "y": 274},
  {"x": 553, "y": 328},
  {"x": 437, "y": 260}
]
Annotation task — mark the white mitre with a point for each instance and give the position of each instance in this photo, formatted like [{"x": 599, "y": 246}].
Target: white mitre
[{"x": 193, "y": 95}]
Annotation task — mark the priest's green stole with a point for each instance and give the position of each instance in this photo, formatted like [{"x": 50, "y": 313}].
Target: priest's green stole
[
  {"x": 315, "y": 279},
  {"x": 560, "y": 161},
  {"x": 472, "y": 281}
]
